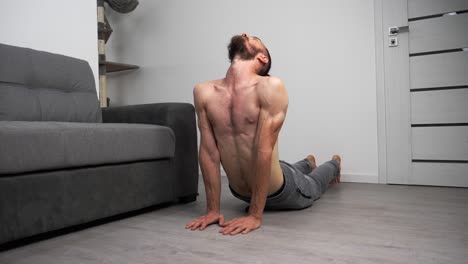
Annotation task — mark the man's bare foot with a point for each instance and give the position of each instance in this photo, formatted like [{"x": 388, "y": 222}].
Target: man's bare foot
[
  {"x": 311, "y": 159},
  {"x": 338, "y": 178}
]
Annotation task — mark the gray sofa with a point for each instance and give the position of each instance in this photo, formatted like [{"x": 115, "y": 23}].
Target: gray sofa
[{"x": 64, "y": 161}]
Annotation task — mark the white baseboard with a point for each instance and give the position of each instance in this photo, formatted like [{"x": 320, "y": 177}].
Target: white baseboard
[{"x": 363, "y": 178}]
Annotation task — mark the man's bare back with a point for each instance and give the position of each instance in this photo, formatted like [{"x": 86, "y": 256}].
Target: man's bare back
[{"x": 234, "y": 113}]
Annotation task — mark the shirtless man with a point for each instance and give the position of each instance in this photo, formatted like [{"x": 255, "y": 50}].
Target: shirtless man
[{"x": 239, "y": 119}]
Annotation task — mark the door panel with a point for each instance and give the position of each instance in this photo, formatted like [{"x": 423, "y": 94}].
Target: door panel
[
  {"x": 440, "y": 143},
  {"x": 421, "y": 8},
  {"x": 439, "y": 70},
  {"x": 426, "y": 91},
  {"x": 439, "y": 174},
  {"x": 441, "y": 33},
  {"x": 439, "y": 107}
]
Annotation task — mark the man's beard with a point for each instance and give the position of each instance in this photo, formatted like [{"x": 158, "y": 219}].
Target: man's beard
[{"x": 238, "y": 46}]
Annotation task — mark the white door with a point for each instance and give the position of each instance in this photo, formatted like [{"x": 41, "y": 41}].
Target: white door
[{"x": 425, "y": 77}]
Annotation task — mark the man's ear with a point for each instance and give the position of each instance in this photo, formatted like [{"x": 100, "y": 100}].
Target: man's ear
[{"x": 262, "y": 58}]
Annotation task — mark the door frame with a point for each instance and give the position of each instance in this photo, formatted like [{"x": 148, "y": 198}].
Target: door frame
[
  {"x": 380, "y": 89},
  {"x": 393, "y": 94}
]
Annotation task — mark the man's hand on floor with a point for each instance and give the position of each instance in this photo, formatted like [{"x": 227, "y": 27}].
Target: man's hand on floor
[
  {"x": 240, "y": 225},
  {"x": 203, "y": 221}
]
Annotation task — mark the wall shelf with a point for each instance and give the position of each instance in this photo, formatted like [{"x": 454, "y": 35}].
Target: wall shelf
[{"x": 117, "y": 67}]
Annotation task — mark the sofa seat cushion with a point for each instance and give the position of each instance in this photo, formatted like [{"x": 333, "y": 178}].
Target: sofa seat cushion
[{"x": 37, "y": 146}]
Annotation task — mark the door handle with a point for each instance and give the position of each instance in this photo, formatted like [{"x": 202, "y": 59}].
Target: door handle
[{"x": 394, "y": 30}]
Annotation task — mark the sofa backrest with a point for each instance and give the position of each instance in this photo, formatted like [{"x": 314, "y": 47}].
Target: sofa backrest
[{"x": 42, "y": 86}]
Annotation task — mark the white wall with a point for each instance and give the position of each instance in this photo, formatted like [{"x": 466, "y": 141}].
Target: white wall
[
  {"x": 67, "y": 27},
  {"x": 323, "y": 50}
]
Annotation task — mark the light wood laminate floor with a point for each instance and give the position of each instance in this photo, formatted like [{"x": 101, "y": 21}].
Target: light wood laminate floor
[{"x": 351, "y": 223}]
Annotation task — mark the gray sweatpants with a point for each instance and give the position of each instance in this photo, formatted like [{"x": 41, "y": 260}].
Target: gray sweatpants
[{"x": 302, "y": 185}]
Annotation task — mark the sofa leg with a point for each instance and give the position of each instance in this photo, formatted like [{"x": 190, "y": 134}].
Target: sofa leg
[{"x": 188, "y": 198}]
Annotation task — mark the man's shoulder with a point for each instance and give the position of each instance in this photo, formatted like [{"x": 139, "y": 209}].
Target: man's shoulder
[
  {"x": 273, "y": 92},
  {"x": 206, "y": 87},
  {"x": 210, "y": 84},
  {"x": 274, "y": 81},
  {"x": 204, "y": 92},
  {"x": 272, "y": 84}
]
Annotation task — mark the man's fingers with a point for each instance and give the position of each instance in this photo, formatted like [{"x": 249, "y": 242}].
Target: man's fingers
[
  {"x": 227, "y": 230},
  {"x": 226, "y": 227},
  {"x": 203, "y": 226},
  {"x": 189, "y": 225},
  {"x": 206, "y": 220},
  {"x": 196, "y": 225},
  {"x": 232, "y": 222},
  {"x": 237, "y": 230},
  {"x": 242, "y": 225},
  {"x": 232, "y": 228}
]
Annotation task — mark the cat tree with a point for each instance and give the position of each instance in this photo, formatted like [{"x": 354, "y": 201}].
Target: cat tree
[{"x": 104, "y": 32}]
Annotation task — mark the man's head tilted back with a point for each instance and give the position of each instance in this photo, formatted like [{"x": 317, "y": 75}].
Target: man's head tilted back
[{"x": 244, "y": 47}]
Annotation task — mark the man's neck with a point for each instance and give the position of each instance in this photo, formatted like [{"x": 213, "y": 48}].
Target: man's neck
[{"x": 240, "y": 73}]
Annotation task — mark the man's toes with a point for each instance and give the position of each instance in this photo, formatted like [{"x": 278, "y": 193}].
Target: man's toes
[
  {"x": 337, "y": 158},
  {"x": 338, "y": 177},
  {"x": 312, "y": 161}
]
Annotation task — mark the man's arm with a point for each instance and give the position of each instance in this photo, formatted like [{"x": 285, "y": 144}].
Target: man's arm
[
  {"x": 273, "y": 107},
  {"x": 209, "y": 161},
  {"x": 270, "y": 122},
  {"x": 209, "y": 164}
]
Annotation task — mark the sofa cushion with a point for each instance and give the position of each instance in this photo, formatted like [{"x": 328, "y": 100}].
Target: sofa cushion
[
  {"x": 37, "y": 146},
  {"x": 42, "y": 86}
]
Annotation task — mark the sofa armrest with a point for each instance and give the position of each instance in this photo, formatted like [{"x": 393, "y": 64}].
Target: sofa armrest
[{"x": 180, "y": 117}]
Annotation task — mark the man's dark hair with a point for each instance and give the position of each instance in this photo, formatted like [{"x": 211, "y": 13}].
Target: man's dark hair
[{"x": 238, "y": 46}]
